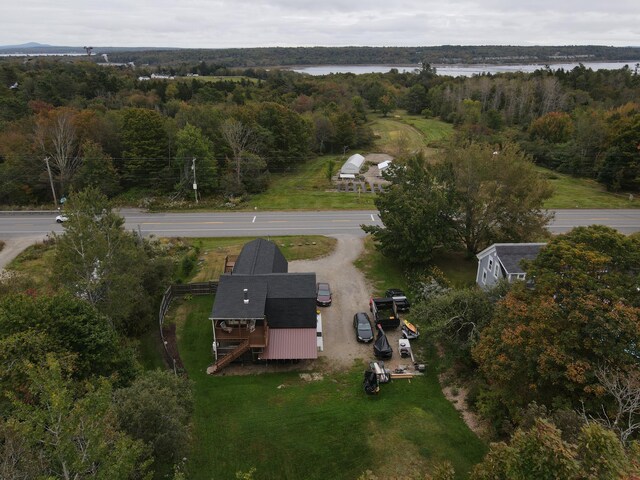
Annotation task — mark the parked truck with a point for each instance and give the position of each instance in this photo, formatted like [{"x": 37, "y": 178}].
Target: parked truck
[{"x": 385, "y": 312}]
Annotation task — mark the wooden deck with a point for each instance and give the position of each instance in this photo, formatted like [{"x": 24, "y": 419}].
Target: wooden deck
[
  {"x": 258, "y": 338},
  {"x": 229, "y": 263}
]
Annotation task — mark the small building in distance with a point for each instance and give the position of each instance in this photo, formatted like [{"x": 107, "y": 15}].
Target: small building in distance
[
  {"x": 503, "y": 260},
  {"x": 351, "y": 167},
  {"x": 382, "y": 166}
]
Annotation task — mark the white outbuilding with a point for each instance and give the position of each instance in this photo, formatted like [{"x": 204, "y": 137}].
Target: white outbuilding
[
  {"x": 382, "y": 166},
  {"x": 352, "y": 166}
]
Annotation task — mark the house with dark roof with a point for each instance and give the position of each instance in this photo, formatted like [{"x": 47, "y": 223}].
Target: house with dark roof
[
  {"x": 503, "y": 260},
  {"x": 262, "y": 311}
]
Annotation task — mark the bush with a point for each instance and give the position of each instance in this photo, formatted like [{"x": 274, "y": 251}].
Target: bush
[{"x": 188, "y": 264}]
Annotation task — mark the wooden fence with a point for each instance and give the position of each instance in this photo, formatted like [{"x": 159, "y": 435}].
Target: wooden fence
[{"x": 173, "y": 291}]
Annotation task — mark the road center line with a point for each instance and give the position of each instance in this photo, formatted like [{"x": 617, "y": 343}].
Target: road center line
[
  {"x": 182, "y": 223},
  {"x": 254, "y": 219},
  {"x": 372, "y": 219}
]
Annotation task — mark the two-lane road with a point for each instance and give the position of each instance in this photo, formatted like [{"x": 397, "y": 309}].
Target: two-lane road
[{"x": 231, "y": 224}]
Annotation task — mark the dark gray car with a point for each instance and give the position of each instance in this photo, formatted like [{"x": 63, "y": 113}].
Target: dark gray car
[{"x": 362, "y": 326}]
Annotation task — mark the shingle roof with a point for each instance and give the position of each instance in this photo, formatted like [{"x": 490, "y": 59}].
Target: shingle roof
[
  {"x": 260, "y": 256},
  {"x": 229, "y": 302},
  {"x": 511, "y": 254},
  {"x": 291, "y": 285},
  {"x": 287, "y": 300}
]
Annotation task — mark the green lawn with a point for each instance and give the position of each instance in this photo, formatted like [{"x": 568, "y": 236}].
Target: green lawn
[
  {"x": 457, "y": 267},
  {"x": 384, "y": 273},
  {"x": 213, "y": 251},
  {"x": 381, "y": 272},
  {"x": 572, "y": 192},
  {"x": 433, "y": 130},
  {"x": 400, "y": 134},
  {"x": 287, "y": 428},
  {"x": 307, "y": 188}
]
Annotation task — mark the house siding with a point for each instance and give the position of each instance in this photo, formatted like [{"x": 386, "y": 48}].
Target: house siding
[{"x": 487, "y": 265}]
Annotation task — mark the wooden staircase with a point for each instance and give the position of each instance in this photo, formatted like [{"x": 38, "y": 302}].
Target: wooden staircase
[{"x": 222, "y": 362}]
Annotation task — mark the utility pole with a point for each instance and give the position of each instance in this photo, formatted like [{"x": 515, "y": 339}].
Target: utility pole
[
  {"x": 195, "y": 184},
  {"x": 53, "y": 190}
]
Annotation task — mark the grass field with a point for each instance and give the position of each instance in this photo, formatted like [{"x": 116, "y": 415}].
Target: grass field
[
  {"x": 401, "y": 134},
  {"x": 36, "y": 262},
  {"x": 213, "y": 251},
  {"x": 288, "y": 428},
  {"x": 384, "y": 273},
  {"x": 432, "y": 130},
  {"x": 306, "y": 189},
  {"x": 572, "y": 192}
]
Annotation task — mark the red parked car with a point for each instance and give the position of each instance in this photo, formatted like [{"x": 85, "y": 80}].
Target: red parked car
[{"x": 323, "y": 298}]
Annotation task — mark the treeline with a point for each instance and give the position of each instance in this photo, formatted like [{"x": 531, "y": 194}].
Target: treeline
[
  {"x": 110, "y": 129},
  {"x": 582, "y": 122},
  {"x": 121, "y": 130},
  {"x": 447, "y": 54},
  {"x": 76, "y": 401}
]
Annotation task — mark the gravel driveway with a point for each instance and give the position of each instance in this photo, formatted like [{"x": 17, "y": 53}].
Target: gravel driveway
[
  {"x": 351, "y": 294},
  {"x": 14, "y": 246}
]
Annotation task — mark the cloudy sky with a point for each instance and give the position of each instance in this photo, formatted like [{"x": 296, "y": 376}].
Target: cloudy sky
[{"x": 252, "y": 23}]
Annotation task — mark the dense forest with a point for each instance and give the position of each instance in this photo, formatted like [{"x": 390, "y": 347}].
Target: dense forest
[
  {"x": 287, "y": 56},
  {"x": 122, "y": 130}
]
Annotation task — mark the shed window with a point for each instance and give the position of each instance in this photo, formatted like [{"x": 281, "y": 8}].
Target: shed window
[
  {"x": 495, "y": 271},
  {"x": 490, "y": 263},
  {"x": 484, "y": 276}
]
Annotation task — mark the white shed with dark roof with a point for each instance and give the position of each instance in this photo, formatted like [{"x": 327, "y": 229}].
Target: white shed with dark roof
[{"x": 504, "y": 261}]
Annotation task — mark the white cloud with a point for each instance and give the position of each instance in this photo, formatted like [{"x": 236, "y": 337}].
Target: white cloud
[{"x": 246, "y": 23}]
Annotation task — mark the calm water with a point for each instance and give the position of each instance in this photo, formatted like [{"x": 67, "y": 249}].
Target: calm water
[{"x": 458, "y": 70}]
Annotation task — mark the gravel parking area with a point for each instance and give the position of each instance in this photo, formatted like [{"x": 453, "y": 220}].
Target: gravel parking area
[{"x": 351, "y": 294}]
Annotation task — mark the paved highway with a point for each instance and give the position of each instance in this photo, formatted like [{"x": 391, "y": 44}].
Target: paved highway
[{"x": 231, "y": 224}]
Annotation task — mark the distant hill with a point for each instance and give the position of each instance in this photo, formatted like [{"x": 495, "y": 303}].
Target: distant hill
[
  {"x": 294, "y": 56},
  {"x": 35, "y": 48},
  {"x": 24, "y": 45},
  {"x": 445, "y": 54}
]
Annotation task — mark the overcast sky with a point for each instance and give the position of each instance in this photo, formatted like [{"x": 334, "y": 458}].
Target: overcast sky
[{"x": 265, "y": 23}]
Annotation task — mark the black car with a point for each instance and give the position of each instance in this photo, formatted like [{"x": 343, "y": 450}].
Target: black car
[
  {"x": 362, "y": 326},
  {"x": 402, "y": 303},
  {"x": 323, "y": 297}
]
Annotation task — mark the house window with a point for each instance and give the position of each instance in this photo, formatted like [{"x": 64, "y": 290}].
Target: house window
[
  {"x": 490, "y": 263},
  {"x": 484, "y": 276},
  {"x": 521, "y": 276},
  {"x": 495, "y": 271}
]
